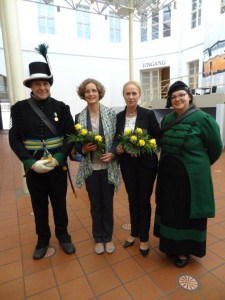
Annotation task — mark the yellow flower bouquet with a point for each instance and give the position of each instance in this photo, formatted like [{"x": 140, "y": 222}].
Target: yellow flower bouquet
[
  {"x": 84, "y": 136},
  {"x": 137, "y": 142}
]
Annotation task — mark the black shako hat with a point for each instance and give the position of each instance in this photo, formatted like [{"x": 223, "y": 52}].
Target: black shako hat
[
  {"x": 176, "y": 86},
  {"x": 40, "y": 70}
]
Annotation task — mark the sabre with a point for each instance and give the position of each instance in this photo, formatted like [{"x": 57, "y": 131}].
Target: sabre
[{"x": 70, "y": 179}]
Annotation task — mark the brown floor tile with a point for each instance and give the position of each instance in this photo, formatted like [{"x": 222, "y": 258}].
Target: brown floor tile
[
  {"x": 68, "y": 271},
  {"x": 9, "y": 256},
  {"x": 93, "y": 262},
  {"x": 79, "y": 235},
  {"x": 60, "y": 257},
  {"x": 10, "y": 271},
  {"x": 103, "y": 280},
  {"x": 87, "y": 221},
  {"x": 125, "y": 274},
  {"x": 24, "y": 228},
  {"x": 121, "y": 212},
  {"x": 182, "y": 294},
  {"x": 76, "y": 289},
  {"x": 152, "y": 262},
  {"x": 211, "y": 239},
  {"x": 210, "y": 261},
  {"x": 84, "y": 248},
  {"x": 8, "y": 223},
  {"x": 128, "y": 270},
  {"x": 220, "y": 272},
  {"x": 27, "y": 250},
  {"x": 118, "y": 293},
  {"x": 211, "y": 287},
  {"x": 218, "y": 249},
  {"x": 39, "y": 282},
  {"x": 120, "y": 254},
  {"x": 217, "y": 231},
  {"x": 31, "y": 266},
  {"x": 12, "y": 290},
  {"x": 28, "y": 237},
  {"x": 9, "y": 231},
  {"x": 9, "y": 243},
  {"x": 52, "y": 294},
  {"x": 142, "y": 288}
]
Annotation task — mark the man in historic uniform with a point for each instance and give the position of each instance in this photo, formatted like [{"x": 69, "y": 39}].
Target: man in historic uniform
[{"x": 37, "y": 135}]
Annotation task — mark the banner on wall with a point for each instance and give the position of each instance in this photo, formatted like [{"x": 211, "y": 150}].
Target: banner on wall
[{"x": 214, "y": 59}]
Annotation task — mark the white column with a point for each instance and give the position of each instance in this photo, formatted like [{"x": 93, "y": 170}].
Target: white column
[
  {"x": 131, "y": 40},
  {"x": 12, "y": 49},
  {"x": 13, "y": 56},
  {"x": 9, "y": 82}
]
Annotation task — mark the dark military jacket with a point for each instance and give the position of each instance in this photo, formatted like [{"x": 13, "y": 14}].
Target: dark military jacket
[{"x": 27, "y": 125}]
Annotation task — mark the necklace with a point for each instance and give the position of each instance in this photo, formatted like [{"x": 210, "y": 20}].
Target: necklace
[{"x": 131, "y": 114}]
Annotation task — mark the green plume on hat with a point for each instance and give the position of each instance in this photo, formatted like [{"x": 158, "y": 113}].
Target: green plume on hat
[{"x": 43, "y": 50}]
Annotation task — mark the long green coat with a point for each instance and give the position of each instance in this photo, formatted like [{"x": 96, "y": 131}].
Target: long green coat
[{"x": 196, "y": 142}]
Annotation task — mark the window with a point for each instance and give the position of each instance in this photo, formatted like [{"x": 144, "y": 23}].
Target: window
[
  {"x": 196, "y": 13},
  {"x": 222, "y": 10},
  {"x": 3, "y": 84},
  {"x": 193, "y": 74},
  {"x": 144, "y": 28},
  {"x": 46, "y": 18},
  {"x": 114, "y": 24},
  {"x": 150, "y": 83},
  {"x": 83, "y": 22},
  {"x": 155, "y": 26},
  {"x": 166, "y": 21}
]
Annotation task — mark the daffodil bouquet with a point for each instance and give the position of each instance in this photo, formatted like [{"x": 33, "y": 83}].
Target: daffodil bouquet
[
  {"x": 137, "y": 142},
  {"x": 84, "y": 136}
]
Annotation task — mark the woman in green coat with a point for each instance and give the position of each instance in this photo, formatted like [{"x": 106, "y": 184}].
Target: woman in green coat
[{"x": 190, "y": 144}]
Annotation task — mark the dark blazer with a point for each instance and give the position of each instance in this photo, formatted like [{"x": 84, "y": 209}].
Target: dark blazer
[{"x": 146, "y": 119}]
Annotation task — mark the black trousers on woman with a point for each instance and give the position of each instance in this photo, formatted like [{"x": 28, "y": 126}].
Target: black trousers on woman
[
  {"x": 101, "y": 193},
  {"x": 42, "y": 187},
  {"x": 139, "y": 181}
]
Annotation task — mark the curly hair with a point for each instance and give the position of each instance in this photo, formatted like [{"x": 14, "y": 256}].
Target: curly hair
[{"x": 82, "y": 87}]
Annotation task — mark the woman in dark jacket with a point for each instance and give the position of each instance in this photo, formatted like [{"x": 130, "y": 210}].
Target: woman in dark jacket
[{"x": 138, "y": 172}]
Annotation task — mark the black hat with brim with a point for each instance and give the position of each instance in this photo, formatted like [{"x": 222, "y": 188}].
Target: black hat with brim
[{"x": 38, "y": 71}]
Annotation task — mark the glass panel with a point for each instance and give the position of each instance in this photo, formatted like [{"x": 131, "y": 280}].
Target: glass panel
[
  {"x": 155, "y": 26},
  {"x": 166, "y": 21},
  {"x": 83, "y": 22},
  {"x": 115, "y": 31}
]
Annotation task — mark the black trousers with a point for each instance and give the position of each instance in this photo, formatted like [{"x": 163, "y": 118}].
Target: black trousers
[
  {"x": 42, "y": 187},
  {"x": 139, "y": 182},
  {"x": 101, "y": 193}
]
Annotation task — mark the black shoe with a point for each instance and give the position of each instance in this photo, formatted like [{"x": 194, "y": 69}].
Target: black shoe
[
  {"x": 128, "y": 244},
  {"x": 145, "y": 252},
  {"x": 68, "y": 248},
  {"x": 181, "y": 263},
  {"x": 39, "y": 253}
]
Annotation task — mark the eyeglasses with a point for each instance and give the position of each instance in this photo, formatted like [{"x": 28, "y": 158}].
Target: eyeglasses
[{"x": 180, "y": 96}]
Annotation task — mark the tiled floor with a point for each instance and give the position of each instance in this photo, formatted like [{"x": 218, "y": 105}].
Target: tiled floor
[{"x": 124, "y": 274}]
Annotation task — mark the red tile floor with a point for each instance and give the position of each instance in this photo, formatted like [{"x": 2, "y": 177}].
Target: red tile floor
[{"x": 125, "y": 274}]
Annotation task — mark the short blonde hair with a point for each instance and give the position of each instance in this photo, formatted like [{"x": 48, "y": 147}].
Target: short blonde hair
[{"x": 133, "y": 82}]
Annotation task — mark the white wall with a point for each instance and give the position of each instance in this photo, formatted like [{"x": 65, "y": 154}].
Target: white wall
[{"x": 74, "y": 60}]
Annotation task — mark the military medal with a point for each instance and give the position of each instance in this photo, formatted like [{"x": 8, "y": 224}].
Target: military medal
[{"x": 56, "y": 117}]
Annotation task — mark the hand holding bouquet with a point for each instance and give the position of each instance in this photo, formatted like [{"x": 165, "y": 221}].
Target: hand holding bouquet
[
  {"x": 84, "y": 136},
  {"x": 137, "y": 142}
]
